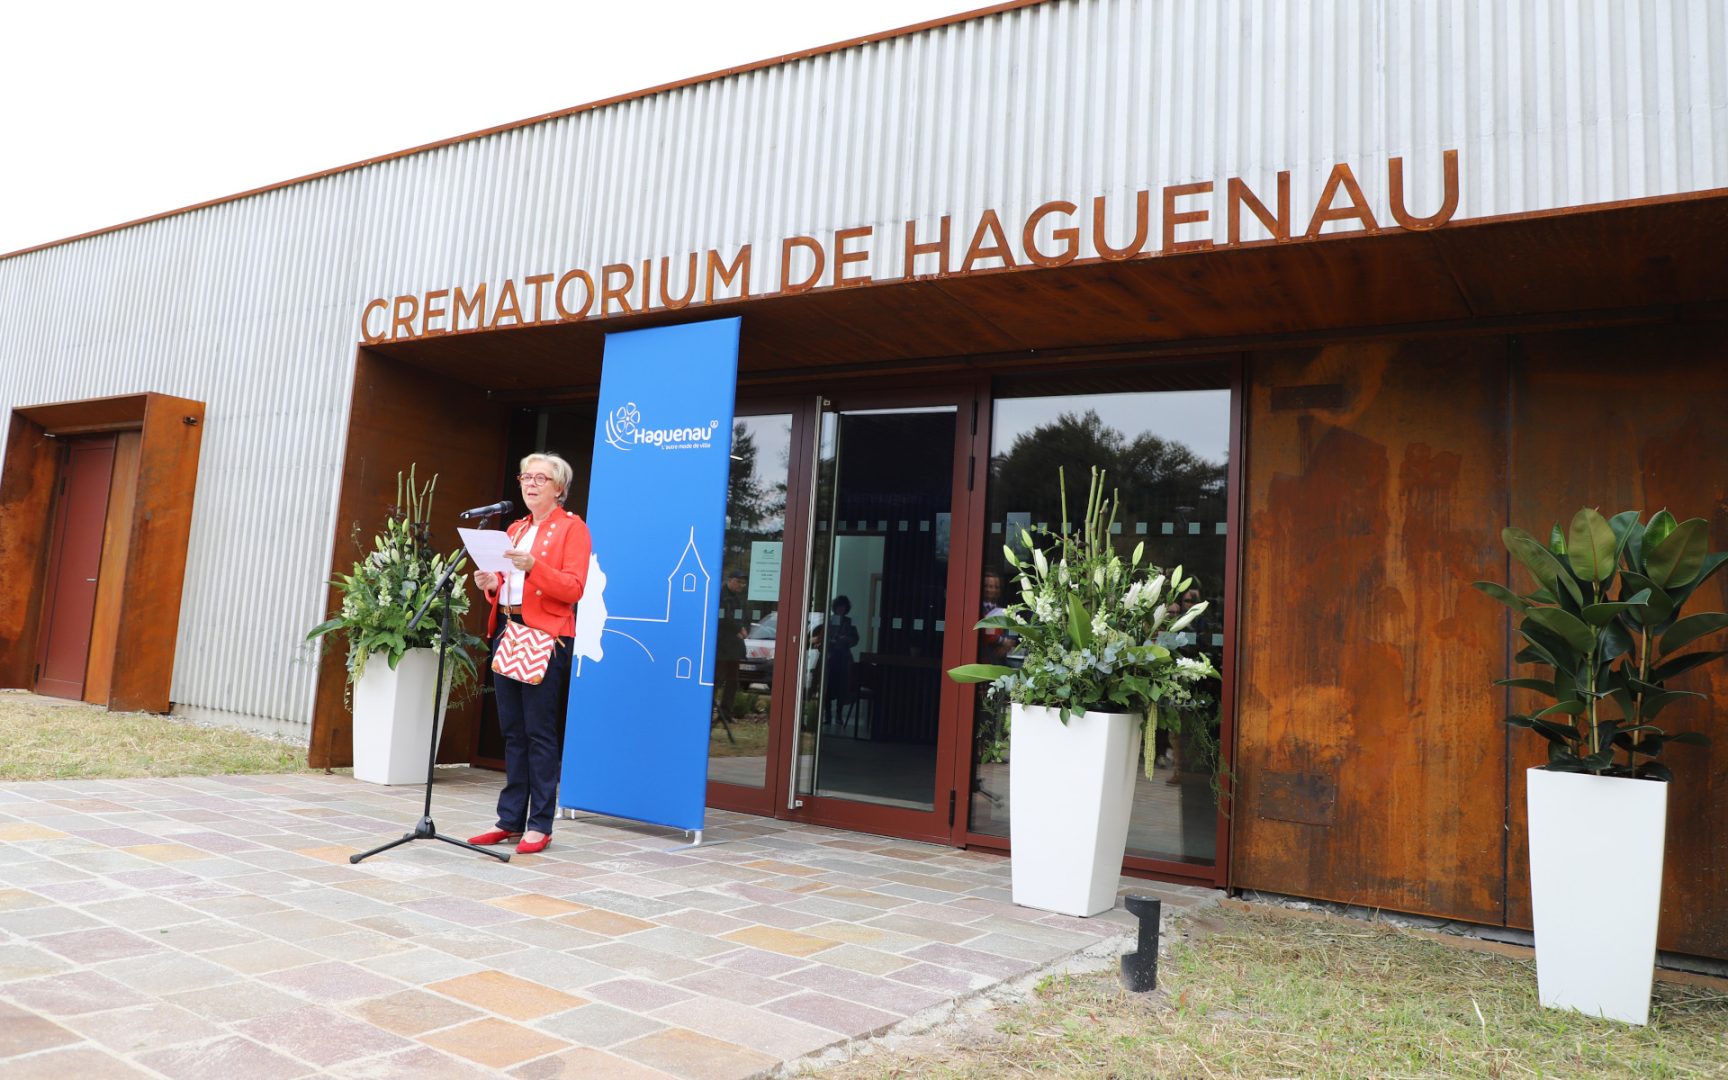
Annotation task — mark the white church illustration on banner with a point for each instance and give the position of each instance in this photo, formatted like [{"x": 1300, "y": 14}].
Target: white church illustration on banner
[{"x": 672, "y": 645}]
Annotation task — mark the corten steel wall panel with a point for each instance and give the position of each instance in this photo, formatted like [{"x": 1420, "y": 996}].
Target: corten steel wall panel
[
  {"x": 402, "y": 417},
  {"x": 1367, "y": 771},
  {"x": 253, "y": 305},
  {"x": 1620, "y": 420},
  {"x": 156, "y": 560},
  {"x": 26, "y": 500}
]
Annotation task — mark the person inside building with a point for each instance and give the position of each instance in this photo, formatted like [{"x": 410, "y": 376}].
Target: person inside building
[
  {"x": 549, "y": 552},
  {"x": 839, "y": 638},
  {"x": 729, "y": 649}
]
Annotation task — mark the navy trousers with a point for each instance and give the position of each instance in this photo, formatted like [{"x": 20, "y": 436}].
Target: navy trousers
[{"x": 531, "y": 719}]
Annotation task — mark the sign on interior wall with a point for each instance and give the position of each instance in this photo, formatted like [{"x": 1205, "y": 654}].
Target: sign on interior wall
[{"x": 642, "y": 681}]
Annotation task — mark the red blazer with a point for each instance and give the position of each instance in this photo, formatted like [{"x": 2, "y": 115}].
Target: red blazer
[{"x": 560, "y": 573}]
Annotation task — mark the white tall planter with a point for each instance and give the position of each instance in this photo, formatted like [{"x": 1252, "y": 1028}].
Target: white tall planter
[
  {"x": 393, "y": 717},
  {"x": 1596, "y": 890},
  {"x": 1071, "y": 793}
]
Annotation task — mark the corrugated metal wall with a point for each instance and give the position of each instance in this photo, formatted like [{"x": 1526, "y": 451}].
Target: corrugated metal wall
[{"x": 253, "y": 306}]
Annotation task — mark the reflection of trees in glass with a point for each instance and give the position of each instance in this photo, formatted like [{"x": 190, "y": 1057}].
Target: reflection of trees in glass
[
  {"x": 749, "y": 502},
  {"x": 755, "y": 508},
  {"x": 1160, "y": 481},
  {"x": 1153, "y": 474}
]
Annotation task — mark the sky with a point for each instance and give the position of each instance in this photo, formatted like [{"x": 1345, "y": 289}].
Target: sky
[{"x": 113, "y": 111}]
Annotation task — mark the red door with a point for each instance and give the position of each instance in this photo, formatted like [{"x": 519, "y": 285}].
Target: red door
[{"x": 74, "y": 562}]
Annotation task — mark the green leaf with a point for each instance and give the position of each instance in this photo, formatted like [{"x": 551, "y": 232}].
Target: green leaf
[
  {"x": 1563, "y": 708},
  {"x": 1653, "y": 704},
  {"x": 978, "y": 673},
  {"x": 1661, "y": 524},
  {"x": 1501, "y": 593},
  {"x": 998, "y": 622},
  {"x": 1079, "y": 622},
  {"x": 1591, "y": 545},
  {"x": 1685, "y": 631},
  {"x": 1658, "y": 605},
  {"x": 1554, "y": 733},
  {"x": 1680, "y": 556},
  {"x": 1623, "y": 525},
  {"x": 1634, "y": 543},
  {"x": 1543, "y": 686},
  {"x": 1537, "y": 652},
  {"x": 1686, "y": 662},
  {"x": 1712, "y": 563},
  {"x": 1616, "y": 642},
  {"x": 1602, "y": 614},
  {"x": 325, "y": 627},
  {"x": 1571, "y": 629},
  {"x": 1540, "y": 562},
  {"x": 1690, "y": 738}
]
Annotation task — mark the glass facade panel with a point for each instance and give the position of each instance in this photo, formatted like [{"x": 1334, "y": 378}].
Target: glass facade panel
[
  {"x": 1166, "y": 452},
  {"x": 744, "y": 689}
]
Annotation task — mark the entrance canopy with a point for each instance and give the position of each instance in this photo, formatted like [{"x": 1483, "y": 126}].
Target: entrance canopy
[{"x": 1637, "y": 261}]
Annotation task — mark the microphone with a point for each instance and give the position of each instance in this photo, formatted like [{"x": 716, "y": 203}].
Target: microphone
[{"x": 502, "y": 506}]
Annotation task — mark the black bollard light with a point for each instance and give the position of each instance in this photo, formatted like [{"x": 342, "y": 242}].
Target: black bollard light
[{"x": 1140, "y": 968}]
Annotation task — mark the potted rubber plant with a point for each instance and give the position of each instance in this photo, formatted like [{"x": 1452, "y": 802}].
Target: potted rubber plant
[
  {"x": 392, "y": 669},
  {"x": 1606, "y": 629},
  {"x": 1092, "y": 680}
]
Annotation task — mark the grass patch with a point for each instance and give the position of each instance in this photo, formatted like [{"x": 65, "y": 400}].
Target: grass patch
[
  {"x": 749, "y": 739},
  {"x": 67, "y": 742},
  {"x": 1262, "y": 995}
]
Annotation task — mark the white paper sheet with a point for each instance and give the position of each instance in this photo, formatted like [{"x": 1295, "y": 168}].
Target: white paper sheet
[{"x": 486, "y": 548}]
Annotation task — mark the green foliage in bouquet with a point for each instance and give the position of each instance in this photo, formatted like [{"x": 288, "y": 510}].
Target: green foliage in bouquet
[
  {"x": 391, "y": 583},
  {"x": 1605, "y": 620},
  {"x": 1090, "y": 625}
]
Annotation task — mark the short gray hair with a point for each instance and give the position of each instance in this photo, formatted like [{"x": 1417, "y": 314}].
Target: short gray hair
[{"x": 561, "y": 472}]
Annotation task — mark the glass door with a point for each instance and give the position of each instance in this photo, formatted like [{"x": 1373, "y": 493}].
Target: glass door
[{"x": 874, "y": 715}]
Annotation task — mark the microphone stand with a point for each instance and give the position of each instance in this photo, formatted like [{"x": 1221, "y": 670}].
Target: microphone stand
[{"x": 424, "y": 829}]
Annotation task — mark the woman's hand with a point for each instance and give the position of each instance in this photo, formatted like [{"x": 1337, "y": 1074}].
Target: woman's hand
[
  {"x": 485, "y": 581},
  {"x": 521, "y": 560}
]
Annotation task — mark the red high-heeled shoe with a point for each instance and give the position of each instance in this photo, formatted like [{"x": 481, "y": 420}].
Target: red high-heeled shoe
[
  {"x": 533, "y": 847},
  {"x": 495, "y": 836}
]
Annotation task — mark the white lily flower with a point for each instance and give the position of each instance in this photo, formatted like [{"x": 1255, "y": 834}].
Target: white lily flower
[
  {"x": 1188, "y": 616},
  {"x": 1039, "y": 561}
]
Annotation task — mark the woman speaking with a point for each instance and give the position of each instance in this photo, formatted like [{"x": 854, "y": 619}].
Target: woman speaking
[{"x": 549, "y": 550}]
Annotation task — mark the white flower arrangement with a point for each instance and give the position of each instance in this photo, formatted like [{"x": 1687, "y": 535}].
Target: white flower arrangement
[{"x": 1089, "y": 625}]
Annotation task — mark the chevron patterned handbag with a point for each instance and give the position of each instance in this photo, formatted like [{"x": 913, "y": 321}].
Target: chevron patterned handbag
[{"x": 523, "y": 653}]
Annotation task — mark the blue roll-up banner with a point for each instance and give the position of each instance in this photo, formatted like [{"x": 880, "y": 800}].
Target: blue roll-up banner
[{"x": 642, "y": 680}]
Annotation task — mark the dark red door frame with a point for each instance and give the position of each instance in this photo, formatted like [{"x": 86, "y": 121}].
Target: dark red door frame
[
  {"x": 939, "y": 823},
  {"x": 1217, "y": 874},
  {"x": 769, "y": 800}
]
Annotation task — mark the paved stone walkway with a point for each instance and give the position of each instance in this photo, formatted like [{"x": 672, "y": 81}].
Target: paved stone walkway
[{"x": 212, "y": 927}]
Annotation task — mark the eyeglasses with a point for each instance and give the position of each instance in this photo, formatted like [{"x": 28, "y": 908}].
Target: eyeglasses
[{"x": 535, "y": 478}]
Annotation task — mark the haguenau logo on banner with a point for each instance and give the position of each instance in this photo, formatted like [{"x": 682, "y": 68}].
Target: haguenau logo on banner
[{"x": 624, "y": 431}]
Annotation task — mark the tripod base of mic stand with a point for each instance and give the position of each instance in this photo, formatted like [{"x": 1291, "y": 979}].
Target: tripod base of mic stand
[{"x": 425, "y": 830}]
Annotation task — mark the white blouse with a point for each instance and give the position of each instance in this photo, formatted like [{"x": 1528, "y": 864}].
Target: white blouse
[{"x": 516, "y": 579}]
